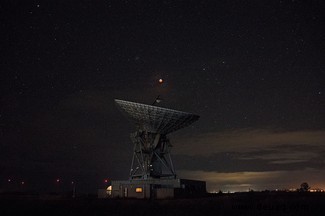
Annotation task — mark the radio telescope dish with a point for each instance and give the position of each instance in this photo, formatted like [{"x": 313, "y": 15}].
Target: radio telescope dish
[
  {"x": 155, "y": 119},
  {"x": 152, "y": 173},
  {"x": 151, "y": 152}
]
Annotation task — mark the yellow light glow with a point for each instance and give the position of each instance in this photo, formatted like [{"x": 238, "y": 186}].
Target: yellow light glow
[{"x": 138, "y": 190}]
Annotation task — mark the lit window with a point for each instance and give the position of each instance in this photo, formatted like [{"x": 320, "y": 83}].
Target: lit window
[
  {"x": 138, "y": 190},
  {"x": 109, "y": 190}
]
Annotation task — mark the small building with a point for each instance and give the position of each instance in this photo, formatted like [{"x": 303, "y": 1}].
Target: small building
[{"x": 156, "y": 188}]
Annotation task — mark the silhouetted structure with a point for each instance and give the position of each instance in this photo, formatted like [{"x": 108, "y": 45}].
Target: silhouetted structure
[{"x": 152, "y": 174}]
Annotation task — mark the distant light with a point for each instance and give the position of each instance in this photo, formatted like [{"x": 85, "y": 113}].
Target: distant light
[
  {"x": 22, "y": 182},
  {"x": 72, "y": 182},
  {"x": 9, "y": 180},
  {"x": 160, "y": 81},
  {"x": 316, "y": 190},
  {"x": 57, "y": 180},
  {"x": 138, "y": 190},
  {"x": 105, "y": 180}
]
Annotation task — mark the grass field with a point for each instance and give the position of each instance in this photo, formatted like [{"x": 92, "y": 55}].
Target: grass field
[{"x": 252, "y": 203}]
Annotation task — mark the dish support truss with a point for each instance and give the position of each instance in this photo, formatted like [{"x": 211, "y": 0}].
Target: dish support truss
[{"x": 151, "y": 156}]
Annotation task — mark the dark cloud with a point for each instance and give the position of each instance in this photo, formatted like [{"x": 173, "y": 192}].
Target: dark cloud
[
  {"x": 236, "y": 160},
  {"x": 277, "y": 158}
]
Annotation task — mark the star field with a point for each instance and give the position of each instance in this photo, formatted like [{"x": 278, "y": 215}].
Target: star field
[{"x": 254, "y": 72}]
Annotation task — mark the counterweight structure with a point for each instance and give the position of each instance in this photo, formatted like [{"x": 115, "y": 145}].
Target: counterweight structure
[{"x": 151, "y": 155}]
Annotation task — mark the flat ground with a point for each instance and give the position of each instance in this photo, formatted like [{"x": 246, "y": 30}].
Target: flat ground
[{"x": 253, "y": 203}]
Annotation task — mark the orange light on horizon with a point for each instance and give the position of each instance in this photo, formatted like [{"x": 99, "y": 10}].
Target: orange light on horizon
[
  {"x": 316, "y": 190},
  {"x": 138, "y": 190}
]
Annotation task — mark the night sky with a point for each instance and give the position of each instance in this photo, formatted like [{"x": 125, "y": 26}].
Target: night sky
[{"x": 253, "y": 70}]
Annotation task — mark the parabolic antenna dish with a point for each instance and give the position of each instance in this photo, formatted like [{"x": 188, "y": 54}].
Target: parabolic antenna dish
[{"x": 156, "y": 119}]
